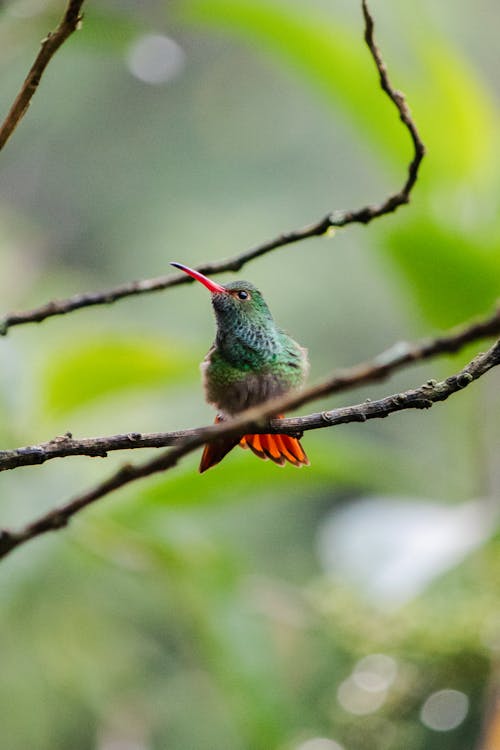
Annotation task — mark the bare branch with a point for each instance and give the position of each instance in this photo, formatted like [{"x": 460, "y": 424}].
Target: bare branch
[
  {"x": 252, "y": 420},
  {"x": 68, "y": 24},
  {"x": 335, "y": 219},
  {"x": 384, "y": 364}
]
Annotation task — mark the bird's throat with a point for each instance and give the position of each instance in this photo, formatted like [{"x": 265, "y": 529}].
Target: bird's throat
[{"x": 251, "y": 347}]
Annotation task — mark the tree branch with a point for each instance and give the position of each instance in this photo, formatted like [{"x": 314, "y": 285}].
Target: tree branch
[
  {"x": 68, "y": 24},
  {"x": 255, "y": 419},
  {"x": 387, "y": 362},
  {"x": 321, "y": 227}
]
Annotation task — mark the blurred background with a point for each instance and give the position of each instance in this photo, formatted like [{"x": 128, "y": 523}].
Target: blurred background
[{"x": 346, "y": 606}]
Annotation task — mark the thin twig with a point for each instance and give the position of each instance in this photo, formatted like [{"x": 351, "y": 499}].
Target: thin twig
[
  {"x": 68, "y": 24},
  {"x": 380, "y": 367},
  {"x": 420, "y": 398},
  {"x": 317, "y": 229}
]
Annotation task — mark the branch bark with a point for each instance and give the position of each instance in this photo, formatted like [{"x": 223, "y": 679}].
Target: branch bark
[
  {"x": 317, "y": 229},
  {"x": 256, "y": 420},
  {"x": 380, "y": 367},
  {"x": 68, "y": 24}
]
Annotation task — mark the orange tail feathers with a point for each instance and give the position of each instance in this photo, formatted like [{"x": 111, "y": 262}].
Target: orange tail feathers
[{"x": 277, "y": 448}]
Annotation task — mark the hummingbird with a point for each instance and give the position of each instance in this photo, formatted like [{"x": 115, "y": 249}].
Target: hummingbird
[{"x": 250, "y": 362}]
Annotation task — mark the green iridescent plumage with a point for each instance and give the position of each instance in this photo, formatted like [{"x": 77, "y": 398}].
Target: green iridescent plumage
[{"x": 252, "y": 359}]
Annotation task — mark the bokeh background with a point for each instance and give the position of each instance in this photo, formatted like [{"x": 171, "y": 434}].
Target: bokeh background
[{"x": 346, "y": 606}]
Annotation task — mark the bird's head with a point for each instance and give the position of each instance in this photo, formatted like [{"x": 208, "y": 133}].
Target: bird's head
[{"x": 236, "y": 303}]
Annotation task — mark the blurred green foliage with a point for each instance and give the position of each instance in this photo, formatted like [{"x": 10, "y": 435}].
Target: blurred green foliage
[
  {"x": 199, "y": 611},
  {"x": 107, "y": 365}
]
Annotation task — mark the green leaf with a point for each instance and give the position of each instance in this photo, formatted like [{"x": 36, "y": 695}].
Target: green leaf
[
  {"x": 452, "y": 275},
  {"x": 107, "y": 365},
  {"x": 456, "y": 115}
]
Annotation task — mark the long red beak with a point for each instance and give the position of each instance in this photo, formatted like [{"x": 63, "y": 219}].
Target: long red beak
[{"x": 212, "y": 286}]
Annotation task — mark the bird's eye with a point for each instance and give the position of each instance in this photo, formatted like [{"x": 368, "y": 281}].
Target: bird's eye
[{"x": 242, "y": 294}]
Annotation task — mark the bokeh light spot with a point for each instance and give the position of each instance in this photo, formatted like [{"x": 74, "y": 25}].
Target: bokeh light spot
[
  {"x": 375, "y": 672},
  {"x": 444, "y": 710},
  {"x": 155, "y": 59}
]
